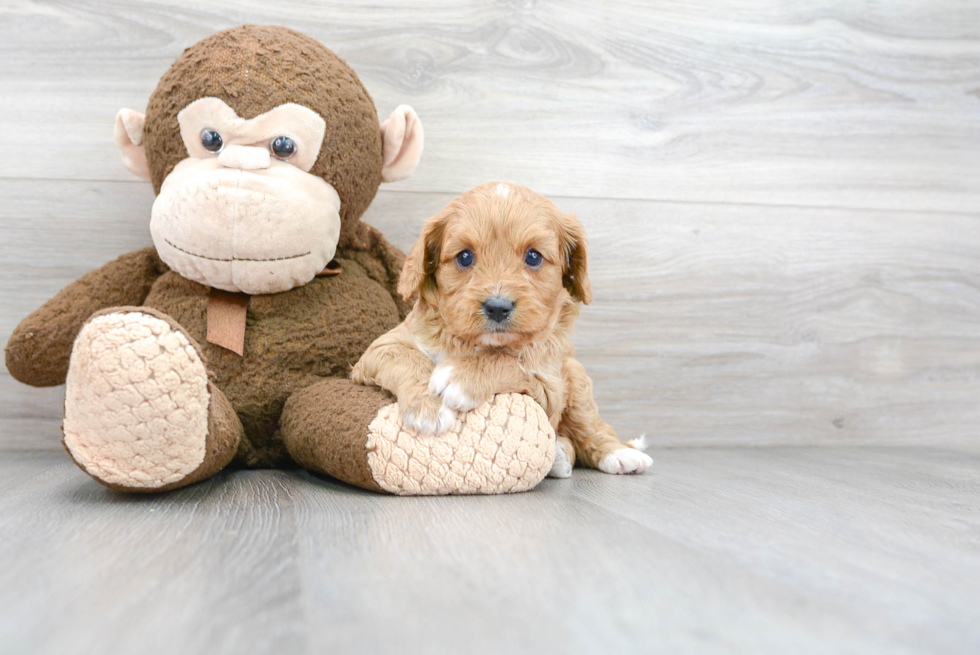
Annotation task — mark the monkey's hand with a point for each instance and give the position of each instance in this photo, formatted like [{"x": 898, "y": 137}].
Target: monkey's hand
[
  {"x": 464, "y": 383},
  {"x": 38, "y": 351}
]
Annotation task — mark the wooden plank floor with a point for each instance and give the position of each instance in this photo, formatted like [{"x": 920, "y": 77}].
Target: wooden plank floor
[{"x": 753, "y": 550}]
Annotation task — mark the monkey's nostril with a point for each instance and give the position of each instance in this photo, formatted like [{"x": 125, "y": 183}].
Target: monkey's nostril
[{"x": 498, "y": 309}]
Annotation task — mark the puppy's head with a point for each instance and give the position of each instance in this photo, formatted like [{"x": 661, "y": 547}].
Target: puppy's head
[{"x": 499, "y": 263}]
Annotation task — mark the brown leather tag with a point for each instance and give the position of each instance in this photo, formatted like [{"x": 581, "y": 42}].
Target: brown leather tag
[
  {"x": 332, "y": 268},
  {"x": 226, "y": 319}
]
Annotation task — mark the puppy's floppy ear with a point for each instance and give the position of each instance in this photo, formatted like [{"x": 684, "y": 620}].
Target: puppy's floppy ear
[
  {"x": 423, "y": 260},
  {"x": 575, "y": 255}
]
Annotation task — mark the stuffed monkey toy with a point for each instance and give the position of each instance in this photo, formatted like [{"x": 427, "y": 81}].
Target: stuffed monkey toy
[{"x": 230, "y": 341}]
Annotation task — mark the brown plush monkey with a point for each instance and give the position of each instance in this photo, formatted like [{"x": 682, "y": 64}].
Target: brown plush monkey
[{"x": 263, "y": 287}]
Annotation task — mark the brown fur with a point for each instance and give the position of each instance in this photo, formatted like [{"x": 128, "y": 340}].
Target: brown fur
[
  {"x": 255, "y": 68},
  {"x": 294, "y": 339},
  {"x": 38, "y": 350},
  {"x": 534, "y": 354},
  {"x": 324, "y": 426}
]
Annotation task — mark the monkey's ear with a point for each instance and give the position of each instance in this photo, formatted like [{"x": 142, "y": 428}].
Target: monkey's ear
[
  {"x": 402, "y": 144},
  {"x": 423, "y": 260},
  {"x": 128, "y": 133}
]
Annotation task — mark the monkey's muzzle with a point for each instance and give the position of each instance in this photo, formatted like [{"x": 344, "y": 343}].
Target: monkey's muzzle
[{"x": 254, "y": 231}]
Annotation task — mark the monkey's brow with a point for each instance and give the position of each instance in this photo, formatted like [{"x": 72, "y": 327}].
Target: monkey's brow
[{"x": 236, "y": 259}]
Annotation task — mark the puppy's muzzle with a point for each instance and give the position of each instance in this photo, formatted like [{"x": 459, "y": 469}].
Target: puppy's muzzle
[{"x": 498, "y": 309}]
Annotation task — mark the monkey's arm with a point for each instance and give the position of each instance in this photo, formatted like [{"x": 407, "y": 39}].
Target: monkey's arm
[
  {"x": 382, "y": 261},
  {"x": 38, "y": 350}
]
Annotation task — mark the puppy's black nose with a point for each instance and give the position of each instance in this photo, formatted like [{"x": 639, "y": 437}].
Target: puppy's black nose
[{"x": 498, "y": 309}]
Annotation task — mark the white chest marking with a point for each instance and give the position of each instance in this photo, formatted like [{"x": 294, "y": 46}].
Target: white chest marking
[{"x": 435, "y": 355}]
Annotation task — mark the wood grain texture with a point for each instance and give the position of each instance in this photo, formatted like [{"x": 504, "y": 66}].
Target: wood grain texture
[
  {"x": 712, "y": 324},
  {"x": 825, "y": 103},
  {"x": 802, "y": 550}
]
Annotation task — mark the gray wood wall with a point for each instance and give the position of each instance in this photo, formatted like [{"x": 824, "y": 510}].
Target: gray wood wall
[{"x": 783, "y": 198}]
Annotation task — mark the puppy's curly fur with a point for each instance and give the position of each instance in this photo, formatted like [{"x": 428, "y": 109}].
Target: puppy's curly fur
[{"x": 498, "y": 276}]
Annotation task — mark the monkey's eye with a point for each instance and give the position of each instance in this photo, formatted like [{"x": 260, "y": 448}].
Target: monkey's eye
[
  {"x": 464, "y": 259},
  {"x": 533, "y": 258},
  {"x": 283, "y": 147},
  {"x": 211, "y": 140}
]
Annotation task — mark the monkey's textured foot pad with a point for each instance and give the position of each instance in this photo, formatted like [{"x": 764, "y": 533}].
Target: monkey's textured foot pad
[
  {"x": 136, "y": 402},
  {"x": 503, "y": 446}
]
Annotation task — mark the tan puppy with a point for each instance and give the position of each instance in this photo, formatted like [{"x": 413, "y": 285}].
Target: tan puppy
[{"x": 498, "y": 276}]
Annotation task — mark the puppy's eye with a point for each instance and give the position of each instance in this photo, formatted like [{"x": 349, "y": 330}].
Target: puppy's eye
[
  {"x": 283, "y": 147},
  {"x": 464, "y": 259},
  {"x": 211, "y": 141},
  {"x": 533, "y": 258}
]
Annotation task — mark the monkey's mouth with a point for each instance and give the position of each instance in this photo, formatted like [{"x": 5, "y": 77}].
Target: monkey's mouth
[{"x": 236, "y": 259}]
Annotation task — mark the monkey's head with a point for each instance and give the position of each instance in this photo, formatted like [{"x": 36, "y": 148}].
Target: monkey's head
[{"x": 264, "y": 149}]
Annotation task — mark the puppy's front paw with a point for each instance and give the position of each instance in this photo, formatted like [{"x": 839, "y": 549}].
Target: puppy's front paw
[
  {"x": 625, "y": 461},
  {"x": 443, "y": 385},
  {"x": 428, "y": 416},
  {"x": 562, "y": 468}
]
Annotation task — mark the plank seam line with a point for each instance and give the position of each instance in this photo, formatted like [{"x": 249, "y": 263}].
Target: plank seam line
[{"x": 883, "y": 210}]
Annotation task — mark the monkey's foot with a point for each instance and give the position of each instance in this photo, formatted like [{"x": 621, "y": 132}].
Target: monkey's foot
[
  {"x": 140, "y": 414},
  {"x": 504, "y": 445},
  {"x": 355, "y": 433}
]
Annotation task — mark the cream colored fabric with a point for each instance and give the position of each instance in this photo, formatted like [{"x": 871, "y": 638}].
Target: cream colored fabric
[
  {"x": 502, "y": 446},
  {"x": 403, "y": 140},
  {"x": 136, "y": 401},
  {"x": 304, "y": 126},
  {"x": 240, "y": 219},
  {"x": 128, "y": 135},
  {"x": 255, "y": 231},
  {"x": 245, "y": 158}
]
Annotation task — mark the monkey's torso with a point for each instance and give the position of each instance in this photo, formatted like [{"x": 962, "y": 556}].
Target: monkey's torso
[{"x": 292, "y": 339}]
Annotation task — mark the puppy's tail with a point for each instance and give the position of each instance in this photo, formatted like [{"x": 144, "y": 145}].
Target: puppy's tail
[{"x": 640, "y": 443}]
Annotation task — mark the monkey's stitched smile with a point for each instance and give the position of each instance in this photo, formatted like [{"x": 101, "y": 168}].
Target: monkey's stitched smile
[{"x": 235, "y": 259}]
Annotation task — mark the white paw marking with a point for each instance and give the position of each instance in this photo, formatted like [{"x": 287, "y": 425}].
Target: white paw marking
[
  {"x": 640, "y": 442},
  {"x": 625, "y": 461},
  {"x": 442, "y": 422},
  {"x": 412, "y": 421},
  {"x": 439, "y": 380},
  {"x": 453, "y": 396},
  {"x": 503, "y": 190},
  {"x": 562, "y": 468},
  {"x": 446, "y": 420},
  {"x": 435, "y": 355},
  {"x": 417, "y": 422}
]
